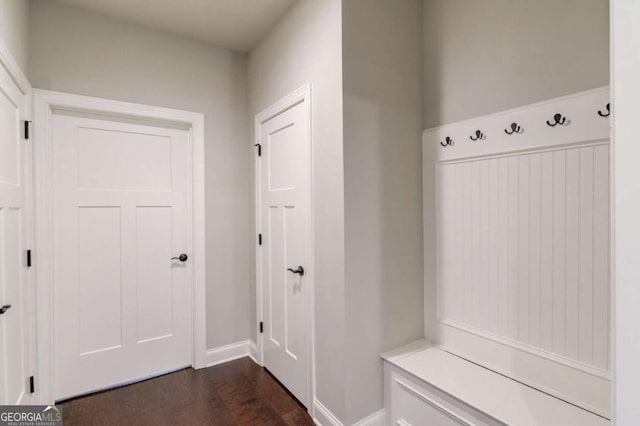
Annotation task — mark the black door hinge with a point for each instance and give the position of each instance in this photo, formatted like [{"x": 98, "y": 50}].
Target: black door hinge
[
  {"x": 28, "y": 258},
  {"x": 26, "y": 129},
  {"x": 259, "y": 149},
  {"x": 259, "y": 239},
  {"x": 261, "y": 327},
  {"x": 32, "y": 385}
]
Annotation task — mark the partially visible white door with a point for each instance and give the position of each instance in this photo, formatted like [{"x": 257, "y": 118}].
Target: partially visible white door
[
  {"x": 284, "y": 216},
  {"x": 120, "y": 214},
  {"x": 15, "y": 347}
]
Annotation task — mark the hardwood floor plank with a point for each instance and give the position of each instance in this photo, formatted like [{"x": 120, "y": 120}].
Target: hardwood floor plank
[{"x": 236, "y": 393}]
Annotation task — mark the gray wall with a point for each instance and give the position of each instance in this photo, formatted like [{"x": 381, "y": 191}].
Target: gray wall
[
  {"x": 14, "y": 30},
  {"x": 85, "y": 53},
  {"x": 491, "y": 55},
  {"x": 306, "y": 46},
  {"x": 382, "y": 74}
]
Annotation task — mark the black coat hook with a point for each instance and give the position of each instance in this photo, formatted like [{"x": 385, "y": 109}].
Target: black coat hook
[
  {"x": 558, "y": 119},
  {"x": 447, "y": 142},
  {"x": 602, "y": 114},
  {"x": 515, "y": 128},
  {"x": 479, "y": 136}
]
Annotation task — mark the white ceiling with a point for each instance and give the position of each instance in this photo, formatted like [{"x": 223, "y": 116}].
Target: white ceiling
[{"x": 233, "y": 24}]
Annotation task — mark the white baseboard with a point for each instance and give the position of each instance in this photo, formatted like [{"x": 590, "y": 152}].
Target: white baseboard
[
  {"x": 228, "y": 353},
  {"x": 322, "y": 416},
  {"x": 253, "y": 351},
  {"x": 379, "y": 418}
]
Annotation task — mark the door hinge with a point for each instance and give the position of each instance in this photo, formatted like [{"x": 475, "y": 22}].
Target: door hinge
[
  {"x": 259, "y": 149},
  {"x": 26, "y": 129},
  {"x": 32, "y": 385},
  {"x": 28, "y": 258},
  {"x": 259, "y": 239},
  {"x": 261, "y": 327}
]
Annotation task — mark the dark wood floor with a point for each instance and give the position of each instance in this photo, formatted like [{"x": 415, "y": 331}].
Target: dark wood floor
[{"x": 235, "y": 393}]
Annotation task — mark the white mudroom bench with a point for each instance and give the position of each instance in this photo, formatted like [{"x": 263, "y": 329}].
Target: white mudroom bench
[{"x": 427, "y": 386}]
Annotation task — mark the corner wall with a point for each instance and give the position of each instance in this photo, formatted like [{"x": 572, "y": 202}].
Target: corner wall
[
  {"x": 81, "y": 52},
  {"x": 306, "y": 46},
  {"x": 382, "y": 74}
]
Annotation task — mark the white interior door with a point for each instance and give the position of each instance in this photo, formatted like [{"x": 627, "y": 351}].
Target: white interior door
[
  {"x": 121, "y": 193},
  {"x": 284, "y": 215},
  {"x": 15, "y": 348}
]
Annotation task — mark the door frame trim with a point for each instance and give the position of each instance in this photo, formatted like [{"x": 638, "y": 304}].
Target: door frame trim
[
  {"x": 44, "y": 103},
  {"x": 300, "y": 95}
]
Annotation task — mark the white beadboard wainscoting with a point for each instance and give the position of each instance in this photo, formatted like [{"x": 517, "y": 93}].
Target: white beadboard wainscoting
[
  {"x": 532, "y": 231},
  {"x": 517, "y": 245}
]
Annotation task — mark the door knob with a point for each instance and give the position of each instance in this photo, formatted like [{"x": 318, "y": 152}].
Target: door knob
[
  {"x": 299, "y": 271},
  {"x": 4, "y": 309},
  {"x": 182, "y": 258}
]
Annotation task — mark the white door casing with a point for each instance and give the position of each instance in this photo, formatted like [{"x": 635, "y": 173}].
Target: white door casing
[
  {"x": 120, "y": 213},
  {"x": 283, "y": 187},
  {"x": 16, "y": 334},
  {"x": 139, "y": 142}
]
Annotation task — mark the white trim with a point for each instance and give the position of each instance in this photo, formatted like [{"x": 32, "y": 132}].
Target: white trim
[
  {"x": 228, "y": 353},
  {"x": 300, "y": 95},
  {"x": 253, "y": 351},
  {"x": 379, "y": 418},
  {"x": 560, "y": 359},
  {"x": 9, "y": 62},
  {"x": 44, "y": 103},
  {"x": 322, "y": 416},
  {"x": 580, "y": 110}
]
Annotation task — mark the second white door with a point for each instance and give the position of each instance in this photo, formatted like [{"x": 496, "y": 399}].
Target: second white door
[
  {"x": 284, "y": 215},
  {"x": 16, "y": 344},
  {"x": 120, "y": 214}
]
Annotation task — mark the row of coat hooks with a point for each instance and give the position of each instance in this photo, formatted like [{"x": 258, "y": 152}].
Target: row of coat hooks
[{"x": 515, "y": 128}]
